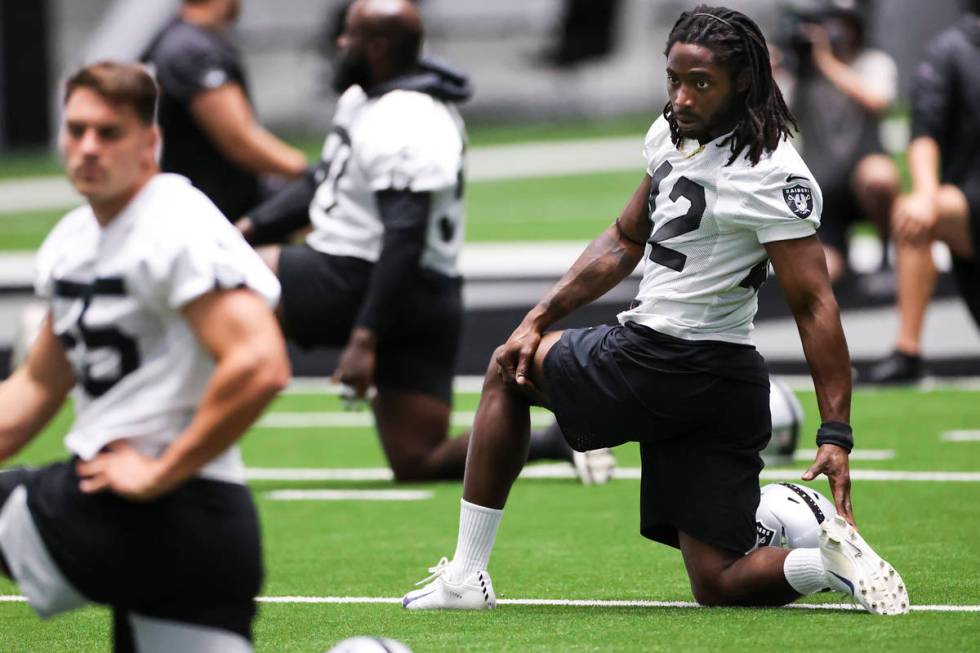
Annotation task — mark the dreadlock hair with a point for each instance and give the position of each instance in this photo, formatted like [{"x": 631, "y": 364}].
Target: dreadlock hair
[{"x": 738, "y": 44}]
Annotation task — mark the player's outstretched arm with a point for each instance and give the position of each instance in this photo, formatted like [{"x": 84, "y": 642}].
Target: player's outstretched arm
[
  {"x": 285, "y": 212},
  {"x": 608, "y": 259},
  {"x": 251, "y": 368},
  {"x": 32, "y": 395},
  {"x": 802, "y": 272}
]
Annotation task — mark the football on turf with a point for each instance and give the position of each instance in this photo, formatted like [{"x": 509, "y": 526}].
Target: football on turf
[
  {"x": 789, "y": 515},
  {"x": 370, "y": 645},
  {"x": 787, "y": 417}
]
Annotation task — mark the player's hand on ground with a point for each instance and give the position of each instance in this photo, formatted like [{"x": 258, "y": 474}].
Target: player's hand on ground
[
  {"x": 514, "y": 357},
  {"x": 357, "y": 362},
  {"x": 246, "y": 227},
  {"x": 833, "y": 461},
  {"x": 121, "y": 469},
  {"x": 915, "y": 218}
]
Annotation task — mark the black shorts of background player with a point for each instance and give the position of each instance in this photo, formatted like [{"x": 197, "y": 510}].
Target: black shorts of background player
[
  {"x": 840, "y": 96},
  {"x": 739, "y": 195},
  {"x": 151, "y": 515},
  {"x": 944, "y": 205},
  {"x": 378, "y": 275},
  {"x": 210, "y": 133}
]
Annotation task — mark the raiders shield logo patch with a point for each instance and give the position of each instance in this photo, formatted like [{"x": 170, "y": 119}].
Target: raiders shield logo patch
[{"x": 799, "y": 199}]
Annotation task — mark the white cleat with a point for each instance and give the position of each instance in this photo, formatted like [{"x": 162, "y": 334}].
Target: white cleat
[
  {"x": 594, "y": 467},
  {"x": 856, "y": 570},
  {"x": 475, "y": 592}
]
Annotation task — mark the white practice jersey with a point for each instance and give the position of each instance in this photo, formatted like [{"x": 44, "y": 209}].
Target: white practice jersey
[
  {"x": 402, "y": 140},
  {"x": 115, "y": 296},
  {"x": 705, "y": 259}
]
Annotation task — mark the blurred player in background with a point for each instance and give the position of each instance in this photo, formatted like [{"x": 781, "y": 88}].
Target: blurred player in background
[
  {"x": 210, "y": 134},
  {"x": 944, "y": 205},
  {"x": 378, "y": 275},
  {"x": 724, "y": 194},
  {"x": 841, "y": 91},
  {"x": 159, "y": 317}
]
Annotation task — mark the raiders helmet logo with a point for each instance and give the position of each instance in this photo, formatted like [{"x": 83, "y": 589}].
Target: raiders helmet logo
[
  {"x": 765, "y": 535},
  {"x": 799, "y": 199}
]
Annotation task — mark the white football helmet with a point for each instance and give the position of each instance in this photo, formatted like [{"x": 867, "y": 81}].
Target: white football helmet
[
  {"x": 787, "y": 418},
  {"x": 370, "y": 645},
  {"x": 789, "y": 515}
]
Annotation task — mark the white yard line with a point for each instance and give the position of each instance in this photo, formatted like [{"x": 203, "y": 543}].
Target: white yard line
[
  {"x": 474, "y": 384},
  {"x": 318, "y": 474},
  {"x": 349, "y": 495},
  {"x": 322, "y": 385},
  {"x": 572, "y": 603},
  {"x": 961, "y": 436},
  {"x": 562, "y": 470},
  {"x": 355, "y": 419}
]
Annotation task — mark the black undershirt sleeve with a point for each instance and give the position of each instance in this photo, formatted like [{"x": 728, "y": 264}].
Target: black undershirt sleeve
[
  {"x": 287, "y": 210},
  {"x": 405, "y": 215}
]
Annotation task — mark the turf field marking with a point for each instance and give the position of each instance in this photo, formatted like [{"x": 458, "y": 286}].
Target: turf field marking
[
  {"x": 961, "y": 436},
  {"x": 595, "y": 603},
  {"x": 314, "y": 474},
  {"x": 802, "y": 382},
  {"x": 349, "y": 495},
  {"x": 317, "y": 385},
  {"x": 563, "y": 470},
  {"x": 350, "y": 419},
  {"x": 573, "y": 603}
]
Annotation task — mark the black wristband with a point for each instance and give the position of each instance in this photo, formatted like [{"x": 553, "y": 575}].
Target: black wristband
[{"x": 837, "y": 433}]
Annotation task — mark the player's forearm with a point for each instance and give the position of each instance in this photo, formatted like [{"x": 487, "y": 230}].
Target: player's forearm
[
  {"x": 286, "y": 211},
  {"x": 242, "y": 385},
  {"x": 258, "y": 151},
  {"x": 923, "y": 160},
  {"x": 826, "y": 354},
  {"x": 607, "y": 260},
  {"x": 25, "y": 408}
]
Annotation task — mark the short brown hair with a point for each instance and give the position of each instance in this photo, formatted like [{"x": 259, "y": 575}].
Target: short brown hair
[{"x": 127, "y": 84}]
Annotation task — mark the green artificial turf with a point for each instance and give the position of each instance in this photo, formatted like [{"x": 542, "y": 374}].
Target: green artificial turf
[
  {"x": 560, "y": 540},
  {"x": 551, "y": 208}
]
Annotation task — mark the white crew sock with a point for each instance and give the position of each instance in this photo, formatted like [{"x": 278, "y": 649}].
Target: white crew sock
[
  {"x": 804, "y": 571},
  {"x": 477, "y": 532}
]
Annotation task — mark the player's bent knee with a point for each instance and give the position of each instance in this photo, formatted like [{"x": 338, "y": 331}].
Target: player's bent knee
[
  {"x": 952, "y": 226},
  {"x": 708, "y": 592},
  {"x": 411, "y": 469},
  {"x": 878, "y": 174},
  {"x": 492, "y": 377}
]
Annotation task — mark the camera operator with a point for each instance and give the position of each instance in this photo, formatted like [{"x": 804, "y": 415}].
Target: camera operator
[{"x": 842, "y": 90}]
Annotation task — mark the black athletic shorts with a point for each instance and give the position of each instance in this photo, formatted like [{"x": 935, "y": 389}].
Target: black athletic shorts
[
  {"x": 967, "y": 272},
  {"x": 700, "y": 411},
  {"x": 321, "y": 297},
  {"x": 192, "y": 557}
]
